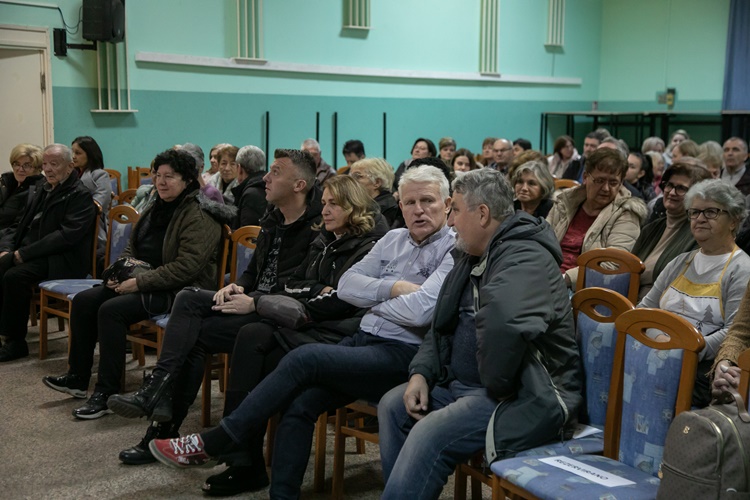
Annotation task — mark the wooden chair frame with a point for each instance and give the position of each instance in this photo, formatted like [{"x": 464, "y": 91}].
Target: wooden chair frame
[
  {"x": 115, "y": 174},
  {"x": 135, "y": 174},
  {"x": 627, "y": 262},
  {"x": 566, "y": 183},
  {"x": 355, "y": 412},
  {"x": 126, "y": 196}
]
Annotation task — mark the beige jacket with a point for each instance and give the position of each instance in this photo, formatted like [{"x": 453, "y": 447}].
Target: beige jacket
[{"x": 617, "y": 226}]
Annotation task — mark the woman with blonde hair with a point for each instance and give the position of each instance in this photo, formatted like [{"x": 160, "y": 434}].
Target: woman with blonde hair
[
  {"x": 26, "y": 164},
  {"x": 376, "y": 176}
]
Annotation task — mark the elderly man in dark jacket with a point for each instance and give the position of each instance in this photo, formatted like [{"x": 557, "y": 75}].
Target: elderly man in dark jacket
[
  {"x": 500, "y": 364},
  {"x": 52, "y": 241},
  {"x": 250, "y": 194}
]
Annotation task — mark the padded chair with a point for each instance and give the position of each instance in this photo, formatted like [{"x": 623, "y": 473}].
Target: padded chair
[
  {"x": 343, "y": 170},
  {"x": 350, "y": 422},
  {"x": 138, "y": 176},
  {"x": 595, "y": 311},
  {"x": 56, "y": 297},
  {"x": 612, "y": 269},
  {"x": 565, "y": 183},
  {"x": 651, "y": 383},
  {"x": 116, "y": 179},
  {"x": 126, "y": 196}
]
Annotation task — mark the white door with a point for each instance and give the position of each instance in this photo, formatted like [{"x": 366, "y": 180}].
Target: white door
[{"x": 23, "y": 98}]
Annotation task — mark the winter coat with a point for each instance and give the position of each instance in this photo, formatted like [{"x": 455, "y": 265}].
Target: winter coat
[
  {"x": 681, "y": 242},
  {"x": 191, "y": 246},
  {"x": 295, "y": 243},
  {"x": 250, "y": 200},
  {"x": 388, "y": 206},
  {"x": 215, "y": 181},
  {"x": 66, "y": 229},
  {"x": 332, "y": 318},
  {"x": 617, "y": 225},
  {"x": 13, "y": 197},
  {"x": 526, "y": 349},
  {"x": 98, "y": 183}
]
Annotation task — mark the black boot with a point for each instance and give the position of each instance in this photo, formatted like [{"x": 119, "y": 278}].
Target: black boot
[
  {"x": 140, "y": 454},
  {"x": 144, "y": 400},
  {"x": 235, "y": 480}
]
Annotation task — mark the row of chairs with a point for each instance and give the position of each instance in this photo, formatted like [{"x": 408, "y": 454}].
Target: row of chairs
[{"x": 136, "y": 176}]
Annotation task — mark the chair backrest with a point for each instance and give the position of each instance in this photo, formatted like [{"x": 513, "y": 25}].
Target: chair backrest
[
  {"x": 611, "y": 268},
  {"x": 244, "y": 240},
  {"x": 652, "y": 382},
  {"x": 744, "y": 363},
  {"x": 343, "y": 170},
  {"x": 127, "y": 196},
  {"x": 137, "y": 176},
  {"x": 95, "y": 239},
  {"x": 565, "y": 183},
  {"x": 122, "y": 219},
  {"x": 115, "y": 179},
  {"x": 595, "y": 311}
]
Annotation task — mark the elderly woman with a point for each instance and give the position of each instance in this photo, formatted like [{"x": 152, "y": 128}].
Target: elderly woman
[
  {"x": 422, "y": 148},
  {"x": 669, "y": 235},
  {"x": 376, "y": 176},
  {"x": 178, "y": 236},
  {"x": 463, "y": 161},
  {"x": 226, "y": 178},
  {"x": 89, "y": 161},
  {"x": 52, "y": 241},
  {"x": 564, "y": 153},
  {"x": 598, "y": 214},
  {"x": 26, "y": 162},
  {"x": 213, "y": 161},
  {"x": 655, "y": 144},
  {"x": 349, "y": 230},
  {"x": 685, "y": 148},
  {"x": 533, "y": 185},
  {"x": 705, "y": 286}
]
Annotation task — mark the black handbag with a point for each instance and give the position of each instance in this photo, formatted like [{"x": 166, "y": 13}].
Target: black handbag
[
  {"x": 125, "y": 268},
  {"x": 282, "y": 310}
]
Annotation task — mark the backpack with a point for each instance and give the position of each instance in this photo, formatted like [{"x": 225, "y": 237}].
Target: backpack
[{"x": 707, "y": 452}]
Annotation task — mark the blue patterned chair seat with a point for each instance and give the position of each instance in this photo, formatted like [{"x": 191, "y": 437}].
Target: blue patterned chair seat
[
  {"x": 69, "y": 288},
  {"x": 547, "y": 481},
  {"x": 590, "y": 445},
  {"x": 161, "y": 320}
]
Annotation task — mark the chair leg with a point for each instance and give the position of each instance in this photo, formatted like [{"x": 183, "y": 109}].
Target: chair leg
[
  {"x": 273, "y": 424},
  {"x": 459, "y": 484},
  {"x": 42, "y": 327},
  {"x": 360, "y": 441},
  {"x": 32, "y": 313},
  {"x": 60, "y": 323},
  {"x": 339, "y": 449},
  {"x": 319, "y": 477},
  {"x": 476, "y": 489},
  {"x": 497, "y": 491},
  {"x": 206, "y": 394}
]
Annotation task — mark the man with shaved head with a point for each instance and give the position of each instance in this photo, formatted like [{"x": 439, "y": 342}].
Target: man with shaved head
[{"x": 502, "y": 152}]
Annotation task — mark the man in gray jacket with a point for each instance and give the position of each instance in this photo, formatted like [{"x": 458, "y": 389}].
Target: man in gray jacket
[{"x": 499, "y": 367}]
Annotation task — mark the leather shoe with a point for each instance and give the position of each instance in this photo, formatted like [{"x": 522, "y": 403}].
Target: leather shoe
[
  {"x": 95, "y": 407},
  {"x": 146, "y": 399},
  {"x": 68, "y": 383},
  {"x": 235, "y": 480},
  {"x": 140, "y": 454},
  {"x": 13, "y": 349}
]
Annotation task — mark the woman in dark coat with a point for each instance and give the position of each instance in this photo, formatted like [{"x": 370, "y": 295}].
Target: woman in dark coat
[
  {"x": 178, "y": 236},
  {"x": 26, "y": 161},
  {"x": 349, "y": 230}
]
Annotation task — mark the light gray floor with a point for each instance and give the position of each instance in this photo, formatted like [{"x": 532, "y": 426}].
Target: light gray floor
[{"x": 46, "y": 453}]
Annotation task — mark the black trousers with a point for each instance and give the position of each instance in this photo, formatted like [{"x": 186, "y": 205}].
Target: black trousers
[
  {"x": 100, "y": 313},
  {"x": 16, "y": 293}
]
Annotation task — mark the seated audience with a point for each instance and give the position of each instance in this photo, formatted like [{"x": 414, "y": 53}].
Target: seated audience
[
  {"x": 226, "y": 178},
  {"x": 685, "y": 148},
  {"x": 485, "y": 157},
  {"x": 520, "y": 145},
  {"x": 446, "y": 149},
  {"x": 640, "y": 175},
  {"x": 463, "y": 161},
  {"x": 590, "y": 143},
  {"x": 600, "y": 213},
  {"x": 16, "y": 185},
  {"x": 564, "y": 153},
  {"x": 349, "y": 231},
  {"x": 677, "y": 137},
  {"x": 213, "y": 165},
  {"x": 657, "y": 166},
  {"x": 207, "y": 190},
  {"x": 51, "y": 241},
  {"x": 376, "y": 176},
  {"x": 399, "y": 281},
  {"x": 712, "y": 154},
  {"x": 525, "y": 157},
  {"x": 479, "y": 349},
  {"x": 422, "y": 148},
  {"x": 533, "y": 186},
  {"x": 668, "y": 235},
  {"x": 655, "y": 144},
  {"x": 735, "y": 171},
  {"x": 178, "y": 236},
  {"x": 705, "y": 286},
  {"x": 250, "y": 194},
  {"x": 725, "y": 370},
  {"x": 204, "y": 321},
  {"x": 502, "y": 155},
  {"x": 323, "y": 171},
  {"x": 353, "y": 151}
]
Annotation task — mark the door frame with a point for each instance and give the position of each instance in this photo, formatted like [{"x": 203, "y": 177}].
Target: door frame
[{"x": 36, "y": 40}]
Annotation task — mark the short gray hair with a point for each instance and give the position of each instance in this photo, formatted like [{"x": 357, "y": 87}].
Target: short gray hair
[
  {"x": 378, "y": 169},
  {"x": 62, "y": 150},
  {"x": 251, "y": 159},
  {"x": 722, "y": 193},
  {"x": 310, "y": 143},
  {"x": 425, "y": 173},
  {"x": 541, "y": 172},
  {"x": 486, "y": 186},
  {"x": 619, "y": 145},
  {"x": 196, "y": 152},
  {"x": 651, "y": 143}
]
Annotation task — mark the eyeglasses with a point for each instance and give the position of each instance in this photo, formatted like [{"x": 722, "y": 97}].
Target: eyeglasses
[
  {"x": 708, "y": 213},
  {"x": 668, "y": 186},
  {"x": 601, "y": 181},
  {"x": 22, "y": 166}
]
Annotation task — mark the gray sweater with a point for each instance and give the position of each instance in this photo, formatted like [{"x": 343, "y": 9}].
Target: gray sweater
[{"x": 733, "y": 287}]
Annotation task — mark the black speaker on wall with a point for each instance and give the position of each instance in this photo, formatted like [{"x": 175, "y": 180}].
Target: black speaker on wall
[{"x": 104, "y": 20}]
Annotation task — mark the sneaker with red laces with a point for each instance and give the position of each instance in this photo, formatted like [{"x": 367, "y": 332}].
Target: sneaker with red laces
[{"x": 182, "y": 452}]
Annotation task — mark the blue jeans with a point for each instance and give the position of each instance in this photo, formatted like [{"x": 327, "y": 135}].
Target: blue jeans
[
  {"x": 418, "y": 456},
  {"x": 311, "y": 379}
]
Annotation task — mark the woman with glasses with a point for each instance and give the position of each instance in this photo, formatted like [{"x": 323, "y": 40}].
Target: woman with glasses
[
  {"x": 669, "y": 235},
  {"x": 600, "y": 213},
  {"x": 376, "y": 176},
  {"x": 26, "y": 162},
  {"x": 705, "y": 286}
]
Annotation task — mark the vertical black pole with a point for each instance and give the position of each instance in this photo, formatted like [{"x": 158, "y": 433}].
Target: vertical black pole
[
  {"x": 268, "y": 133},
  {"x": 317, "y": 126},
  {"x": 384, "y": 130},
  {"x": 335, "y": 140}
]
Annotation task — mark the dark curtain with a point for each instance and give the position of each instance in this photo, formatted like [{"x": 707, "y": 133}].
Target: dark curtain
[{"x": 737, "y": 72}]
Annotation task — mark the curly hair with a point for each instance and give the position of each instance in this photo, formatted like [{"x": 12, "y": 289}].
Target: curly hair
[{"x": 354, "y": 201}]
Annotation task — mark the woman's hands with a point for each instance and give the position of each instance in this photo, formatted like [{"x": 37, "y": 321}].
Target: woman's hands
[{"x": 127, "y": 286}]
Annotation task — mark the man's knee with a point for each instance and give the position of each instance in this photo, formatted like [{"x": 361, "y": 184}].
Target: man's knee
[
  {"x": 392, "y": 403},
  {"x": 20, "y": 276}
]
